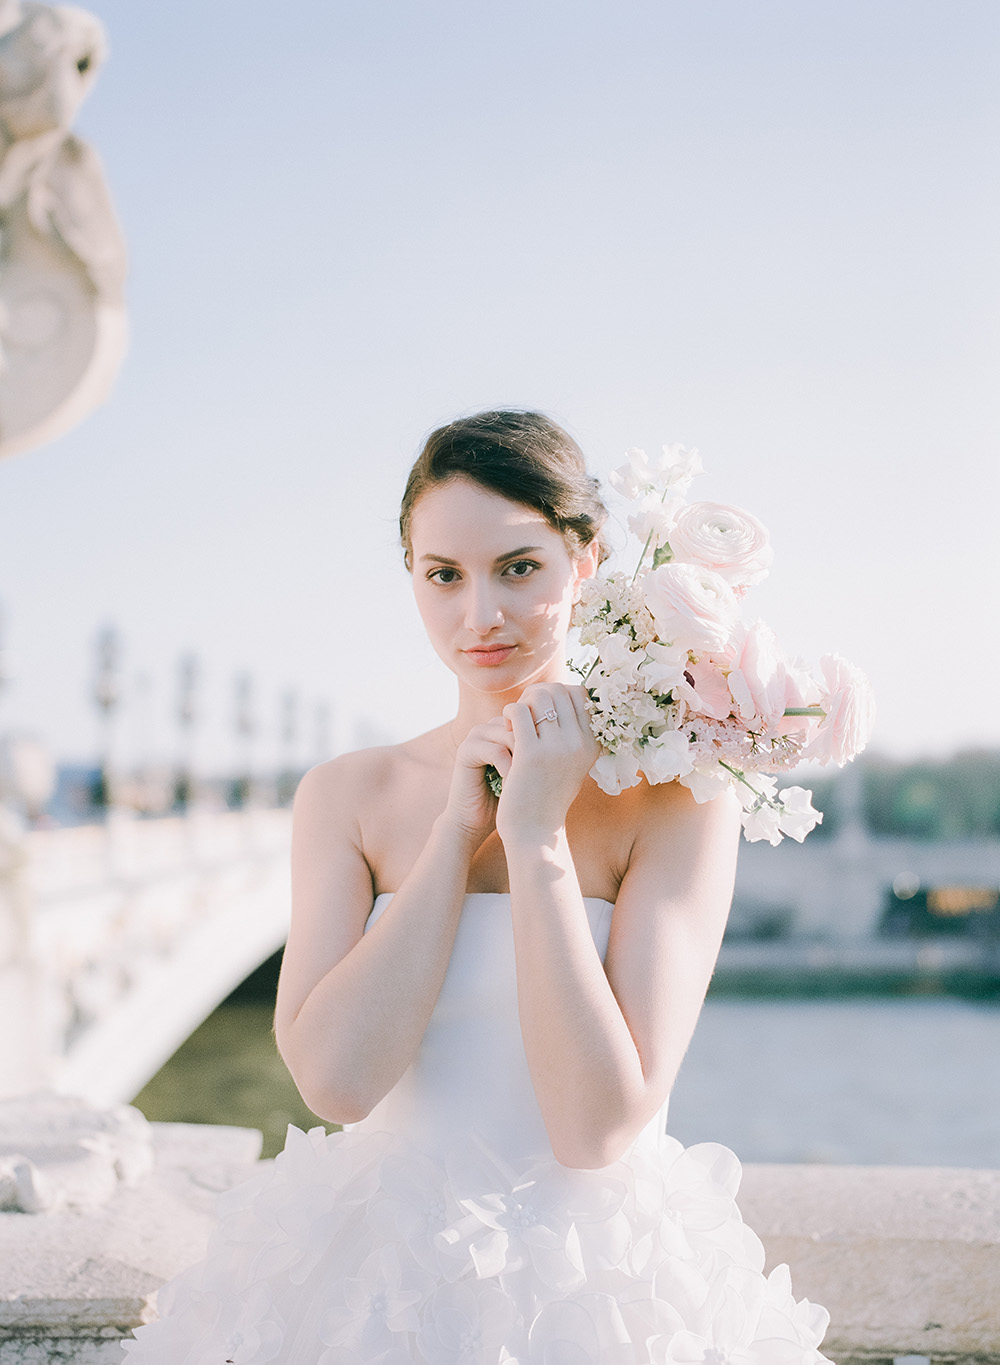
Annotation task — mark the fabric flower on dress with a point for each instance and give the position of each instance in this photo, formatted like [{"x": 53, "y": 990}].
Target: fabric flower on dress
[
  {"x": 587, "y": 1330},
  {"x": 219, "y": 1323},
  {"x": 729, "y": 1330},
  {"x": 541, "y": 1218},
  {"x": 467, "y": 1324},
  {"x": 319, "y": 1182},
  {"x": 416, "y": 1205},
  {"x": 381, "y": 1301}
]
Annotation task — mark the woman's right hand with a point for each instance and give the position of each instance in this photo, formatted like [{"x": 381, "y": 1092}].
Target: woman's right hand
[{"x": 471, "y": 806}]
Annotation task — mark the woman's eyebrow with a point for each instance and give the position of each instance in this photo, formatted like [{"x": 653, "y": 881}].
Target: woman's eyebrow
[{"x": 500, "y": 559}]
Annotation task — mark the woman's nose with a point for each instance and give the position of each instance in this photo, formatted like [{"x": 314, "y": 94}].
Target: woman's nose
[{"x": 483, "y": 610}]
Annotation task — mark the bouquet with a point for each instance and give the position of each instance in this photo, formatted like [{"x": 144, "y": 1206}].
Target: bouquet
[{"x": 679, "y": 688}]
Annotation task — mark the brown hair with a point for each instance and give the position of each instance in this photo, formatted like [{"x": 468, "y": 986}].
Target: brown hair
[{"x": 523, "y": 456}]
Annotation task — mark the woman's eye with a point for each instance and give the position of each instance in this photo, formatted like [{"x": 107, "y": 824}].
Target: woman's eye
[
  {"x": 442, "y": 575},
  {"x": 521, "y": 568}
]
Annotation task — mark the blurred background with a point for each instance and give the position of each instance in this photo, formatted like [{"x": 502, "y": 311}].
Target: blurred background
[{"x": 766, "y": 230}]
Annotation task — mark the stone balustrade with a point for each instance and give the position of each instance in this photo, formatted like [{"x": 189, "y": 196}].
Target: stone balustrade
[{"x": 907, "y": 1259}]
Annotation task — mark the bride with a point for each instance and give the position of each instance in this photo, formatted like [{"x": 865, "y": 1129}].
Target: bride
[{"x": 493, "y": 995}]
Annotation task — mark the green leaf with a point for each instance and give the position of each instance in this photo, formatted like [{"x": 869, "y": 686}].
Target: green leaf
[{"x": 493, "y": 780}]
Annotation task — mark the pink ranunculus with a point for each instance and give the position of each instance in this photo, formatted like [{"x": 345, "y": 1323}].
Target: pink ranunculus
[
  {"x": 850, "y": 713},
  {"x": 723, "y": 538},
  {"x": 691, "y": 606},
  {"x": 759, "y": 679}
]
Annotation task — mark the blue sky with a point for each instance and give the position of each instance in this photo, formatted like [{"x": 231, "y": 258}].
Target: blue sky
[{"x": 765, "y": 229}]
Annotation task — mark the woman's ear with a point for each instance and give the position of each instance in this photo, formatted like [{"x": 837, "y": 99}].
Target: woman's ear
[{"x": 586, "y": 566}]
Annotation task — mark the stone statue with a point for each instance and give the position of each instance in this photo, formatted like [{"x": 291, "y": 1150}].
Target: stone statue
[{"x": 62, "y": 257}]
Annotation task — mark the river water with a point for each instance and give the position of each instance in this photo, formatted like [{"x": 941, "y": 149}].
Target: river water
[{"x": 897, "y": 1081}]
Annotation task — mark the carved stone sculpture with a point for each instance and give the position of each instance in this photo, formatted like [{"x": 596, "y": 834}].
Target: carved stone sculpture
[{"x": 62, "y": 257}]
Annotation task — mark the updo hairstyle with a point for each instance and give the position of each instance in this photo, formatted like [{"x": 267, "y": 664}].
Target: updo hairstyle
[{"x": 523, "y": 456}]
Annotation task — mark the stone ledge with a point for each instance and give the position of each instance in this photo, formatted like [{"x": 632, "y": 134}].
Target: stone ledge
[
  {"x": 72, "y": 1276},
  {"x": 907, "y": 1259}
]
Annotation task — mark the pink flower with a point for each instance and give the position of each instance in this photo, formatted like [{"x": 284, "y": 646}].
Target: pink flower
[
  {"x": 762, "y": 682},
  {"x": 711, "y": 689},
  {"x": 850, "y": 713},
  {"x": 691, "y": 606},
  {"x": 723, "y": 538}
]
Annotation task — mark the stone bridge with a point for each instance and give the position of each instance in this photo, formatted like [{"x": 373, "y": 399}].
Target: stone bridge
[{"x": 117, "y": 940}]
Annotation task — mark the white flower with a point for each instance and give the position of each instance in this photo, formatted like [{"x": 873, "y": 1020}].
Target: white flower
[
  {"x": 672, "y": 470},
  {"x": 797, "y": 815},
  {"x": 762, "y": 822},
  {"x": 541, "y": 1219},
  {"x": 666, "y": 757},
  {"x": 416, "y": 1206},
  {"x": 588, "y": 1330},
  {"x": 466, "y": 1324},
  {"x": 691, "y": 606},
  {"x": 613, "y": 773},
  {"x": 379, "y": 1302},
  {"x": 706, "y": 782},
  {"x": 723, "y": 538},
  {"x": 654, "y": 519},
  {"x": 664, "y": 668}
]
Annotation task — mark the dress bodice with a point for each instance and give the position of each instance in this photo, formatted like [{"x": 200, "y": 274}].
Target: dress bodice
[{"x": 470, "y": 1073}]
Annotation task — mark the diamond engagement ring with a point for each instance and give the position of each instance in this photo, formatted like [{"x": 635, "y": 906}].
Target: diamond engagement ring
[{"x": 550, "y": 714}]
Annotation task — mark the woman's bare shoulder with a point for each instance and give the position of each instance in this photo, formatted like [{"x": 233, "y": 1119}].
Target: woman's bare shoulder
[{"x": 365, "y": 774}]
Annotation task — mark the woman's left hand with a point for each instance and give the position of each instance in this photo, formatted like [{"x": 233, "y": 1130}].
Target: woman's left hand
[{"x": 553, "y": 751}]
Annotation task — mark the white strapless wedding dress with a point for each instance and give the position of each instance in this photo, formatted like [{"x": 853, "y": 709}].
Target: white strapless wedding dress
[{"x": 441, "y": 1230}]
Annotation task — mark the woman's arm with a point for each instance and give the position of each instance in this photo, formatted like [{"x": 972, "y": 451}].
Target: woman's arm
[
  {"x": 604, "y": 1042},
  {"x": 352, "y": 1007}
]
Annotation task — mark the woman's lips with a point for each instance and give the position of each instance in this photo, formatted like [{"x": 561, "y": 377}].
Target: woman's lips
[{"x": 489, "y": 656}]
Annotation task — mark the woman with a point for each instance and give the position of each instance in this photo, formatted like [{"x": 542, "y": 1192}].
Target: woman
[{"x": 495, "y": 994}]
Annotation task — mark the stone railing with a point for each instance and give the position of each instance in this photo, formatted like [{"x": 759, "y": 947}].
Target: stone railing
[{"x": 907, "y": 1259}]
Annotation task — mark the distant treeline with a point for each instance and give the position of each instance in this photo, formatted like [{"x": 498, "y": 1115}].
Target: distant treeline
[{"x": 955, "y": 798}]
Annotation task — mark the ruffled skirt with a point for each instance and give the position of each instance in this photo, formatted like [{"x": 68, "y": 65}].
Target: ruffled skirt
[{"x": 354, "y": 1248}]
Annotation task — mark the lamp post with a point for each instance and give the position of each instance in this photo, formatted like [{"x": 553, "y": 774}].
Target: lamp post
[
  {"x": 288, "y": 775},
  {"x": 106, "y": 694},
  {"x": 188, "y": 677},
  {"x": 241, "y": 788}
]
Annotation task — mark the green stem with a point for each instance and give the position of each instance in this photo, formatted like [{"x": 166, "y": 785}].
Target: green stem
[
  {"x": 642, "y": 556},
  {"x": 742, "y": 777},
  {"x": 805, "y": 711}
]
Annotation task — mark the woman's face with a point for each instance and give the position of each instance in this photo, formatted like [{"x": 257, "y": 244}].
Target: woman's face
[{"x": 495, "y": 586}]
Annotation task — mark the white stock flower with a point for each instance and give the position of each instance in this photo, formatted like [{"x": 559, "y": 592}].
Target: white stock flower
[
  {"x": 723, "y": 538},
  {"x": 691, "y": 606},
  {"x": 762, "y": 822}
]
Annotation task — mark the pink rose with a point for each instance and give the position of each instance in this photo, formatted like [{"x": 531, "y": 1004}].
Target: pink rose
[
  {"x": 723, "y": 538},
  {"x": 849, "y": 704},
  {"x": 691, "y": 606}
]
